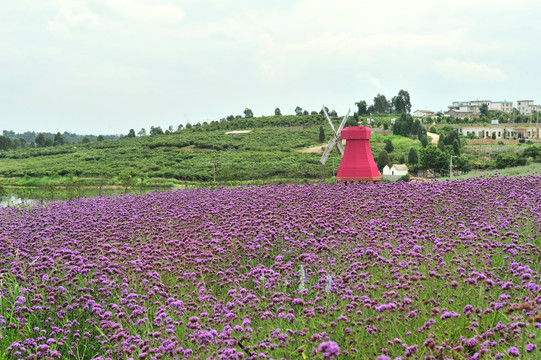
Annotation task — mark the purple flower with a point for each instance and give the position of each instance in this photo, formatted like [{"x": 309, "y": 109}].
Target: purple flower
[
  {"x": 513, "y": 351},
  {"x": 329, "y": 349}
]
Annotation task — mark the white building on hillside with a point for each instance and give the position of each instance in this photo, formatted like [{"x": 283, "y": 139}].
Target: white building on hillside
[
  {"x": 505, "y": 106},
  {"x": 526, "y": 107},
  {"x": 424, "y": 113},
  {"x": 501, "y": 131},
  {"x": 474, "y": 106}
]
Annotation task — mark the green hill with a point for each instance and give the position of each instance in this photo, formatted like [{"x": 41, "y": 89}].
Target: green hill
[{"x": 201, "y": 153}]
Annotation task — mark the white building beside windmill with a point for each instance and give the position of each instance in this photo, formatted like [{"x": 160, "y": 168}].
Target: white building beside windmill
[{"x": 394, "y": 172}]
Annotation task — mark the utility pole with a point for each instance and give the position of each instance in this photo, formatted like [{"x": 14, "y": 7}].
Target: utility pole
[
  {"x": 451, "y": 166},
  {"x": 214, "y": 167}
]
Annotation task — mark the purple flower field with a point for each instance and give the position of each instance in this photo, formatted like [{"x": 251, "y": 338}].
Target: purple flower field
[{"x": 440, "y": 270}]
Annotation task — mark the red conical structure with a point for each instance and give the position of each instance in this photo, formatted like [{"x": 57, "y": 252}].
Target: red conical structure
[{"x": 357, "y": 163}]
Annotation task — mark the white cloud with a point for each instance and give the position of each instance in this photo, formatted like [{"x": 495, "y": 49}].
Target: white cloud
[
  {"x": 469, "y": 72},
  {"x": 115, "y": 17}
]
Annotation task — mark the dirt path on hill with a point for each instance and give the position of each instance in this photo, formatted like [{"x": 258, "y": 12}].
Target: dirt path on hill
[
  {"x": 317, "y": 149},
  {"x": 435, "y": 137}
]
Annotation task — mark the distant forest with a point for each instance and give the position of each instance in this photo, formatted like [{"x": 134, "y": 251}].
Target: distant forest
[{"x": 12, "y": 140}]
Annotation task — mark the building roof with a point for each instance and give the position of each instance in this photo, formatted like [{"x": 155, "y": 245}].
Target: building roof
[{"x": 402, "y": 167}]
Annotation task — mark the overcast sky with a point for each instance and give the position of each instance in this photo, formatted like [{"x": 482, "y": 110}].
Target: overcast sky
[{"x": 106, "y": 66}]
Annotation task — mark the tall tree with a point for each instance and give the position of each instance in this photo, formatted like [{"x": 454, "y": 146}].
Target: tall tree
[
  {"x": 58, "y": 140},
  {"x": 402, "y": 103},
  {"x": 389, "y": 147},
  {"x": 362, "y": 107},
  {"x": 381, "y": 105},
  {"x": 298, "y": 110},
  {"x": 413, "y": 156},
  {"x": 40, "y": 140},
  {"x": 277, "y": 112},
  {"x": 156, "y": 130},
  {"x": 483, "y": 109},
  {"x": 6, "y": 143},
  {"x": 321, "y": 134},
  {"x": 382, "y": 160},
  {"x": 142, "y": 132},
  {"x": 416, "y": 128},
  {"x": 131, "y": 133},
  {"x": 248, "y": 113}
]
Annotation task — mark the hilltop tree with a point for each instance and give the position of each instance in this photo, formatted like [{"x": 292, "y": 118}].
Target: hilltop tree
[
  {"x": 381, "y": 105},
  {"x": 322, "y": 113},
  {"x": 40, "y": 140},
  {"x": 298, "y": 110},
  {"x": 100, "y": 138},
  {"x": 362, "y": 107},
  {"x": 156, "y": 130},
  {"x": 6, "y": 143},
  {"x": 131, "y": 133},
  {"x": 248, "y": 113},
  {"x": 277, "y": 112},
  {"x": 142, "y": 132},
  {"x": 58, "y": 140},
  {"x": 401, "y": 103}
]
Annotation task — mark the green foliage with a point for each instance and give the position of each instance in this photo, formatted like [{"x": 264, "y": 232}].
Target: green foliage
[
  {"x": 405, "y": 178},
  {"x": 424, "y": 140},
  {"x": 433, "y": 158},
  {"x": 382, "y": 160},
  {"x": 6, "y": 143},
  {"x": 413, "y": 156},
  {"x": 381, "y": 105},
  {"x": 248, "y": 113},
  {"x": 406, "y": 126},
  {"x": 507, "y": 159},
  {"x": 401, "y": 103},
  {"x": 483, "y": 109},
  {"x": 321, "y": 134},
  {"x": 362, "y": 107},
  {"x": 533, "y": 151},
  {"x": 389, "y": 146}
]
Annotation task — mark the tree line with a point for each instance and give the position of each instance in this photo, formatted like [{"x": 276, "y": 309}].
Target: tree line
[{"x": 30, "y": 139}]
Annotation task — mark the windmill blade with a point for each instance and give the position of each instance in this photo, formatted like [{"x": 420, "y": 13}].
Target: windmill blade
[
  {"x": 339, "y": 143},
  {"x": 328, "y": 119},
  {"x": 344, "y": 121},
  {"x": 328, "y": 149}
]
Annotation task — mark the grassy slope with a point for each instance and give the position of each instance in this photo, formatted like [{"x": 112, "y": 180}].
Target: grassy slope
[{"x": 191, "y": 155}]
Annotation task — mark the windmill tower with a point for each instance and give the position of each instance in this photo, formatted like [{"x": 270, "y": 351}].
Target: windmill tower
[{"x": 357, "y": 162}]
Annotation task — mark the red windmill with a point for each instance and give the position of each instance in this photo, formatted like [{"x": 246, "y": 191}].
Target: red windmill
[{"x": 357, "y": 161}]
